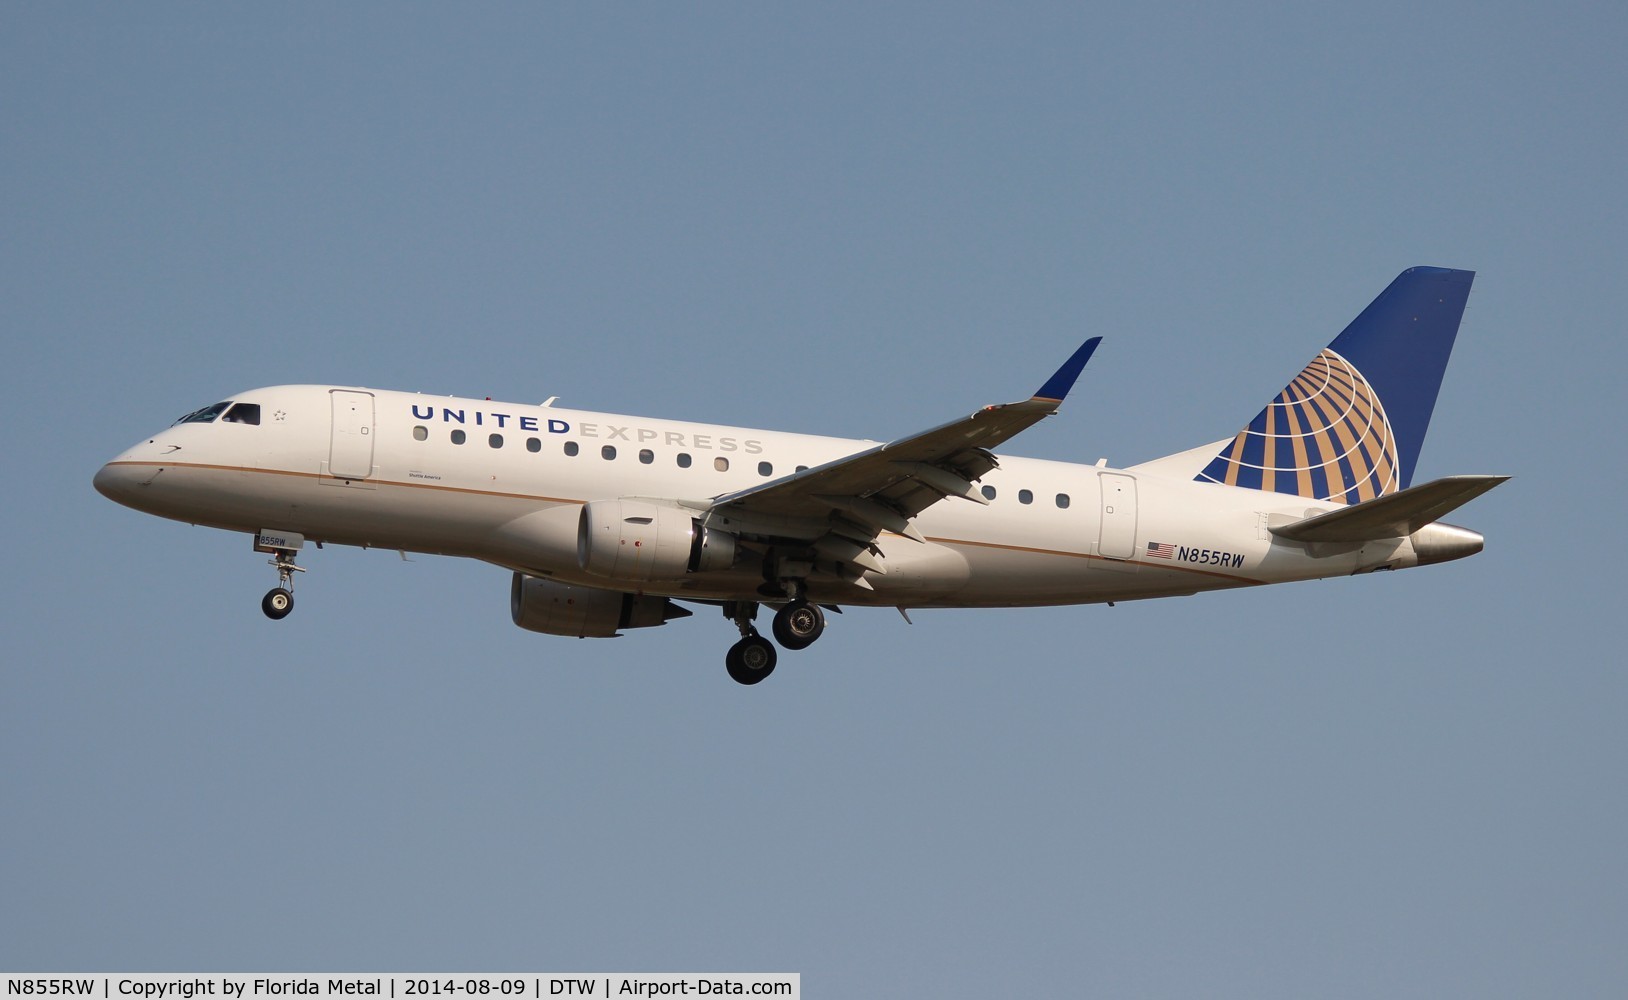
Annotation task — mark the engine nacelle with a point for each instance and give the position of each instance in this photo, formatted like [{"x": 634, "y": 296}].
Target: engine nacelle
[
  {"x": 556, "y": 608},
  {"x": 636, "y": 542}
]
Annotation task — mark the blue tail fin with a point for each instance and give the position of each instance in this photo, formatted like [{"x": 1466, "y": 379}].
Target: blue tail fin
[{"x": 1349, "y": 427}]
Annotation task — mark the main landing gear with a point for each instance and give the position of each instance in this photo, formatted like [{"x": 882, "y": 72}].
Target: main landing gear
[
  {"x": 796, "y": 625},
  {"x": 279, "y": 600},
  {"x": 753, "y": 657}
]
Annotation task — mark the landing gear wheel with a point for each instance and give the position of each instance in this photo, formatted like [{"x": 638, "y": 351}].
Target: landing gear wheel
[
  {"x": 279, "y": 600},
  {"x": 798, "y": 624},
  {"x": 277, "y": 603},
  {"x": 751, "y": 659}
]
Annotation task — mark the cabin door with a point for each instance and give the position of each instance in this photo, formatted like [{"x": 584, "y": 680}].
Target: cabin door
[
  {"x": 350, "y": 455},
  {"x": 1117, "y": 539}
]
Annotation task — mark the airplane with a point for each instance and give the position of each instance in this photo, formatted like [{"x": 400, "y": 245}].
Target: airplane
[{"x": 606, "y": 522}]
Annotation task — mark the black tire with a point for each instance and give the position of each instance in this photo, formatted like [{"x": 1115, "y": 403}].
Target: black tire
[
  {"x": 277, "y": 603},
  {"x": 750, "y": 660},
  {"x": 798, "y": 624}
]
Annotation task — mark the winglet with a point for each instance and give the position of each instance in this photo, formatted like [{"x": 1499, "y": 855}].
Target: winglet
[{"x": 1058, "y": 385}]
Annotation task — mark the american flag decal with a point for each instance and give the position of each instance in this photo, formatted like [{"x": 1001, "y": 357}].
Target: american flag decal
[{"x": 1161, "y": 550}]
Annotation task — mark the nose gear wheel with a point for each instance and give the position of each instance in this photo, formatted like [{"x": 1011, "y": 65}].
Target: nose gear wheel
[{"x": 279, "y": 600}]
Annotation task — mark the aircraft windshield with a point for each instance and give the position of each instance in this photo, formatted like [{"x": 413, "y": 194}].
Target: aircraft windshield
[
  {"x": 205, "y": 415},
  {"x": 243, "y": 413}
]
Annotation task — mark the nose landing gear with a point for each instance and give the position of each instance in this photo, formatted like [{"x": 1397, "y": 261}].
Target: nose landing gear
[
  {"x": 279, "y": 600},
  {"x": 282, "y": 547}
]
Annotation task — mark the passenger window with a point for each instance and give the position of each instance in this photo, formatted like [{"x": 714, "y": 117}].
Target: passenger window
[
  {"x": 458, "y": 437},
  {"x": 646, "y": 456},
  {"x": 534, "y": 445},
  {"x": 571, "y": 449},
  {"x": 243, "y": 413},
  {"x": 421, "y": 433},
  {"x": 721, "y": 464},
  {"x": 608, "y": 452},
  {"x": 1062, "y": 501},
  {"x": 765, "y": 469},
  {"x": 988, "y": 492},
  {"x": 1025, "y": 496},
  {"x": 683, "y": 460},
  {"x": 495, "y": 440}
]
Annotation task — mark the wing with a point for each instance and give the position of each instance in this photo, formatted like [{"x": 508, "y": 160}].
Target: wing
[{"x": 840, "y": 508}]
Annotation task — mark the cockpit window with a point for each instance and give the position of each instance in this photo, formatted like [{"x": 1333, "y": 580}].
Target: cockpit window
[
  {"x": 243, "y": 413},
  {"x": 206, "y": 415}
]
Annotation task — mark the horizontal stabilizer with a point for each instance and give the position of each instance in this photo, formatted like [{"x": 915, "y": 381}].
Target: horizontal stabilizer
[{"x": 1393, "y": 515}]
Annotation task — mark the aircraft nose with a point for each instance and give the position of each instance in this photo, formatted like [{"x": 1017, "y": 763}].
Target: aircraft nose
[
  {"x": 118, "y": 481},
  {"x": 111, "y": 481}
]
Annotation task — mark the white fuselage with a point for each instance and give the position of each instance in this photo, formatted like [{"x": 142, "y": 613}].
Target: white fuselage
[{"x": 382, "y": 469}]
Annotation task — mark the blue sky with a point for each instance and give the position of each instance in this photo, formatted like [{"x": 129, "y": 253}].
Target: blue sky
[{"x": 855, "y": 220}]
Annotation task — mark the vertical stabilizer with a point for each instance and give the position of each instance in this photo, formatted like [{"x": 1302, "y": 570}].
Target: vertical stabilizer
[{"x": 1349, "y": 427}]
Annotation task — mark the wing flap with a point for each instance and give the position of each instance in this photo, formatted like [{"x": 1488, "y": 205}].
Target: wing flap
[{"x": 1390, "y": 516}]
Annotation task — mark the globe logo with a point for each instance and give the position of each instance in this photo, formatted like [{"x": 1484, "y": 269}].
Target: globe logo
[{"x": 1324, "y": 437}]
